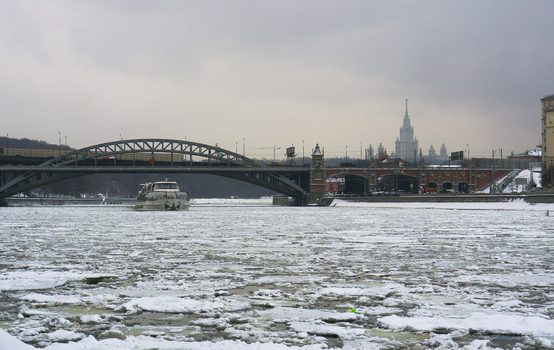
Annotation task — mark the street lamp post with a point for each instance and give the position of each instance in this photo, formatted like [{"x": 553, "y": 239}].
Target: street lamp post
[
  {"x": 468, "y": 170},
  {"x": 302, "y": 152},
  {"x": 396, "y": 171},
  {"x": 493, "y": 185},
  {"x": 346, "y": 153},
  {"x": 551, "y": 175}
]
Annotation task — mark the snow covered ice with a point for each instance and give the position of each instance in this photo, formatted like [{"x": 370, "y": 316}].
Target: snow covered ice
[{"x": 246, "y": 275}]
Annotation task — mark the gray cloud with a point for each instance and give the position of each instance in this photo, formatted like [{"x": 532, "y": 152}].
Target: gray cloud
[{"x": 277, "y": 72}]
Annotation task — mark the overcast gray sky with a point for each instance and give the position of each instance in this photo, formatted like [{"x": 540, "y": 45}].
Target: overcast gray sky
[{"x": 277, "y": 72}]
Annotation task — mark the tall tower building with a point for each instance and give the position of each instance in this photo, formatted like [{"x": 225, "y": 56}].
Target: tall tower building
[
  {"x": 547, "y": 142},
  {"x": 443, "y": 157},
  {"x": 317, "y": 175},
  {"x": 406, "y": 144},
  {"x": 432, "y": 155}
]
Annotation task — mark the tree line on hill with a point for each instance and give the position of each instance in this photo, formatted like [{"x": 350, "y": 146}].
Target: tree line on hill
[{"x": 7, "y": 142}]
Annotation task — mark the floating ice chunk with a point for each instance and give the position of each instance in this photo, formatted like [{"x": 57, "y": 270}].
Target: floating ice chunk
[
  {"x": 8, "y": 341},
  {"x": 507, "y": 304},
  {"x": 444, "y": 341},
  {"x": 547, "y": 343},
  {"x": 112, "y": 333},
  {"x": 370, "y": 343},
  {"x": 144, "y": 342},
  {"x": 308, "y": 314},
  {"x": 91, "y": 319},
  {"x": 100, "y": 299},
  {"x": 26, "y": 312},
  {"x": 27, "y": 280},
  {"x": 154, "y": 333},
  {"x": 323, "y": 329},
  {"x": 268, "y": 294},
  {"x": 57, "y": 299},
  {"x": 170, "y": 304},
  {"x": 491, "y": 323},
  {"x": 479, "y": 345},
  {"x": 50, "y": 319},
  {"x": 211, "y": 322},
  {"x": 135, "y": 253},
  {"x": 379, "y": 310},
  {"x": 380, "y": 289},
  {"x": 58, "y": 321},
  {"x": 32, "y": 332},
  {"x": 62, "y": 335},
  {"x": 542, "y": 279},
  {"x": 22, "y": 280},
  {"x": 235, "y": 333}
]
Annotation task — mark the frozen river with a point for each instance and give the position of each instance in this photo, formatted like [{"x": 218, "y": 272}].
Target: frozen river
[{"x": 253, "y": 276}]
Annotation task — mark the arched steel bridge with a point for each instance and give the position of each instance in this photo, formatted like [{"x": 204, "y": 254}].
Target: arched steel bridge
[{"x": 154, "y": 156}]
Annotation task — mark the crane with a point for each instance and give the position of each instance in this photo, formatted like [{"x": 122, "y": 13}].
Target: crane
[{"x": 273, "y": 148}]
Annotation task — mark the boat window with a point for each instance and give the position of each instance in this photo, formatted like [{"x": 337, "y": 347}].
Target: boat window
[{"x": 166, "y": 186}]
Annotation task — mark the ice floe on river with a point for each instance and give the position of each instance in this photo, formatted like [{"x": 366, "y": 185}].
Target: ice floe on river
[
  {"x": 355, "y": 276},
  {"x": 42, "y": 279},
  {"x": 170, "y": 304},
  {"x": 476, "y": 322}
]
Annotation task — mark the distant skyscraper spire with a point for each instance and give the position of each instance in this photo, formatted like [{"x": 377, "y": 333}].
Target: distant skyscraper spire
[
  {"x": 406, "y": 125},
  {"x": 406, "y": 144}
]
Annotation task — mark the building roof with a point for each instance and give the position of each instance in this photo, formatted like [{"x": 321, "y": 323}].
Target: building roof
[{"x": 547, "y": 97}]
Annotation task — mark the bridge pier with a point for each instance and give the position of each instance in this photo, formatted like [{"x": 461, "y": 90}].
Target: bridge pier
[
  {"x": 3, "y": 202},
  {"x": 317, "y": 176},
  {"x": 299, "y": 201}
]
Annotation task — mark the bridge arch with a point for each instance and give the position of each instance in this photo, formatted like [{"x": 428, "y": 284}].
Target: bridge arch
[
  {"x": 398, "y": 182},
  {"x": 151, "y": 147},
  {"x": 447, "y": 186},
  {"x": 152, "y": 155},
  {"x": 432, "y": 186},
  {"x": 348, "y": 184}
]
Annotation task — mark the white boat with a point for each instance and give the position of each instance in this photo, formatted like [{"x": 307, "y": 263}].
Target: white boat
[{"x": 162, "y": 195}]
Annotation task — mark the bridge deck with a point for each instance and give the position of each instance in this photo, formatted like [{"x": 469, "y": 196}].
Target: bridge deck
[{"x": 153, "y": 169}]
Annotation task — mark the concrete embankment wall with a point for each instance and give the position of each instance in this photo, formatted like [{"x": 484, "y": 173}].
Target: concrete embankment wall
[
  {"x": 22, "y": 201},
  {"x": 530, "y": 198}
]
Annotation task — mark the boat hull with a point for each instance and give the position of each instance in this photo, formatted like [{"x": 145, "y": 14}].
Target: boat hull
[{"x": 163, "y": 204}]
